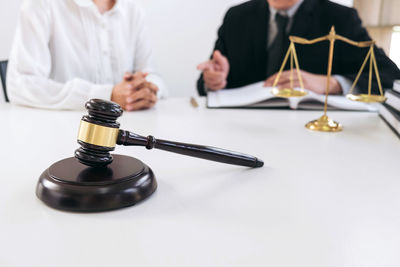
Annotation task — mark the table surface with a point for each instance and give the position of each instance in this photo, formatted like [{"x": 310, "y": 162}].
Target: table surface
[{"x": 322, "y": 199}]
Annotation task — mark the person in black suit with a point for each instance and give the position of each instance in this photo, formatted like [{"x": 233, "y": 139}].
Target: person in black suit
[{"x": 253, "y": 40}]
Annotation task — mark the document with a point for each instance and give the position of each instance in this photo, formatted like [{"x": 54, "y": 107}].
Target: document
[{"x": 257, "y": 96}]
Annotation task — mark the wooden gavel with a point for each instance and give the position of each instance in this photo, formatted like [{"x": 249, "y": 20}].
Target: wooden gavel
[{"x": 99, "y": 133}]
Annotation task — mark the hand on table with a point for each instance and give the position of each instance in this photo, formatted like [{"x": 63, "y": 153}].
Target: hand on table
[
  {"x": 312, "y": 82},
  {"x": 215, "y": 71},
  {"x": 134, "y": 92}
]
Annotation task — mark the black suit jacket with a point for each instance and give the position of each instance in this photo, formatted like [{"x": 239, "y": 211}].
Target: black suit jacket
[{"x": 243, "y": 36}]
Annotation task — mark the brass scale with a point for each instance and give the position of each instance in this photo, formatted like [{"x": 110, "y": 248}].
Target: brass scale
[{"x": 324, "y": 123}]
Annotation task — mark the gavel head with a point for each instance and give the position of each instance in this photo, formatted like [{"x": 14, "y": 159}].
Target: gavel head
[{"x": 98, "y": 133}]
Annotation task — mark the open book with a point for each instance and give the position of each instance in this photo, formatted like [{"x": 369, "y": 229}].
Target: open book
[
  {"x": 396, "y": 86},
  {"x": 255, "y": 95}
]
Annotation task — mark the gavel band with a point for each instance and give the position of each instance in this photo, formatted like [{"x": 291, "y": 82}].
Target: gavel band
[{"x": 97, "y": 135}]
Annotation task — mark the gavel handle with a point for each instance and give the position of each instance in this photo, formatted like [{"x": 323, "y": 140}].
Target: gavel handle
[{"x": 127, "y": 138}]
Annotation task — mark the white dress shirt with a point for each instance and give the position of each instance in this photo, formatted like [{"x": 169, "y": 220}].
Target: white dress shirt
[
  {"x": 66, "y": 52},
  {"x": 273, "y": 32}
]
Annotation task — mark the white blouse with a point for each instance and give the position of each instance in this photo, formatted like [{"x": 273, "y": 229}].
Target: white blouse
[{"x": 65, "y": 52}]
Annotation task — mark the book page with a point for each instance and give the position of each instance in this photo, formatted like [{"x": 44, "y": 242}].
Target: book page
[
  {"x": 316, "y": 101},
  {"x": 396, "y": 86},
  {"x": 255, "y": 95},
  {"x": 250, "y": 95},
  {"x": 393, "y": 99}
]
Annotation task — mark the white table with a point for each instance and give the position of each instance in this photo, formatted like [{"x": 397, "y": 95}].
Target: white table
[{"x": 322, "y": 199}]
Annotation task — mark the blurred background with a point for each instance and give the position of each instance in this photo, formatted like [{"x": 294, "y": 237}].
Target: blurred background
[{"x": 183, "y": 32}]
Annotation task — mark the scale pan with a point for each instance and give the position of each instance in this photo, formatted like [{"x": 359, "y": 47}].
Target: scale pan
[
  {"x": 287, "y": 92},
  {"x": 367, "y": 98}
]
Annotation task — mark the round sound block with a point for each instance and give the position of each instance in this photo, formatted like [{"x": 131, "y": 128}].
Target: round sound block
[{"x": 71, "y": 186}]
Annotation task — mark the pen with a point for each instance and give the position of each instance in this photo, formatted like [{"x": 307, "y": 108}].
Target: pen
[{"x": 193, "y": 102}]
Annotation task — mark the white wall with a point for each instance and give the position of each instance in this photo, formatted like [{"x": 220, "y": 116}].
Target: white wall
[
  {"x": 8, "y": 19},
  {"x": 183, "y": 33}
]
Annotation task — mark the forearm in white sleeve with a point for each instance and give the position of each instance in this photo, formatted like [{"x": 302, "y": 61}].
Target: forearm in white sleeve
[
  {"x": 157, "y": 80},
  {"x": 39, "y": 92},
  {"x": 344, "y": 83}
]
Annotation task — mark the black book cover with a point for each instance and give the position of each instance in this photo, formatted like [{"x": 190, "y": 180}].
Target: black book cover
[
  {"x": 392, "y": 110},
  {"x": 393, "y": 99},
  {"x": 395, "y": 114}
]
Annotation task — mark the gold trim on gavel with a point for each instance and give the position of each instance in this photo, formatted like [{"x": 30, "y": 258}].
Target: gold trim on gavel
[{"x": 97, "y": 135}]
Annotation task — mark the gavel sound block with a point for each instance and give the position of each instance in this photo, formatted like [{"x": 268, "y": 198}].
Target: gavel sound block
[{"x": 94, "y": 180}]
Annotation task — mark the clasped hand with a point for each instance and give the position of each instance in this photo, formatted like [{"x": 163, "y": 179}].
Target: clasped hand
[{"x": 135, "y": 92}]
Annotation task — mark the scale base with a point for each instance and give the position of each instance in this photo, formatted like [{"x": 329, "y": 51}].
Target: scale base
[
  {"x": 324, "y": 124},
  {"x": 71, "y": 186},
  {"x": 366, "y": 98},
  {"x": 288, "y": 92}
]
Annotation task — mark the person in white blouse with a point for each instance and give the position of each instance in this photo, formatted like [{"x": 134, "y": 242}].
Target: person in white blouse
[{"x": 66, "y": 52}]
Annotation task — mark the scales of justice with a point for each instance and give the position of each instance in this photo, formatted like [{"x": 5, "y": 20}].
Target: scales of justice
[{"x": 324, "y": 123}]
